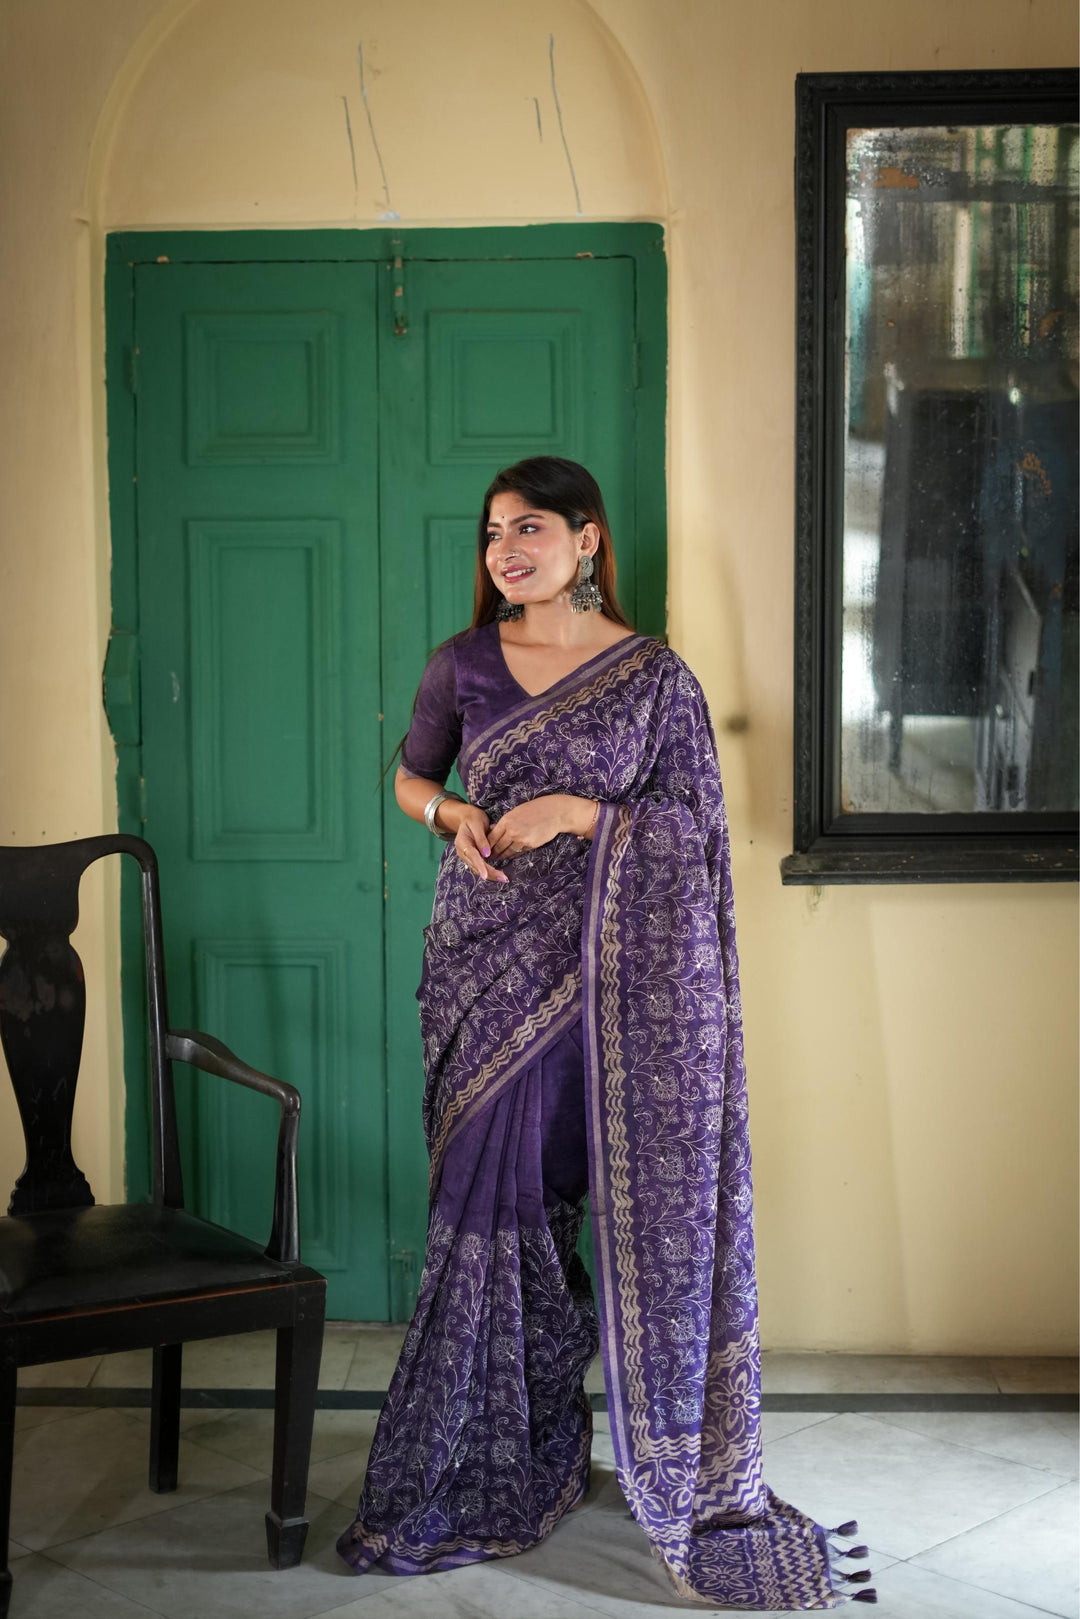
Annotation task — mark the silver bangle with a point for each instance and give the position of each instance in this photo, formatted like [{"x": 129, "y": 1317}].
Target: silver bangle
[{"x": 430, "y": 810}]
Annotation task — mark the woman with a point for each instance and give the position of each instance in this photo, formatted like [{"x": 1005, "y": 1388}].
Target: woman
[{"x": 582, "y": 1033}]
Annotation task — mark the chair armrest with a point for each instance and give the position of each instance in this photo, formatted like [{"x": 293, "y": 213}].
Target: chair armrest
[{"x": 204, "y": 1052}]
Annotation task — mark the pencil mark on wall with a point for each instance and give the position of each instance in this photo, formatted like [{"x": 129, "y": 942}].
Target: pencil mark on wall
[
  {"x": 562, "y": 131},
  {"x": 352, "y": 148},
  {"x": 539, "y": 121},
  {"x": 389, "y": 212}
]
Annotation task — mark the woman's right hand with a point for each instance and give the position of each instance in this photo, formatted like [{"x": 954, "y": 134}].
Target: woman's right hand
[{"x": 470, "y": 825}]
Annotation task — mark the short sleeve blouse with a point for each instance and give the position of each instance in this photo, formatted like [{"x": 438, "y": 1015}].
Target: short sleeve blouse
[
  {"x": 465, "y": 687},
  {"x": 434, "y": 738}
]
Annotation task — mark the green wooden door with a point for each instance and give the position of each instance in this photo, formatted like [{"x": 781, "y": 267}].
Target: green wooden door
[
  {"x": 499, "y": 361},
  {"x": 257, "y": 469},
  {"x": 308, "y": 478}
]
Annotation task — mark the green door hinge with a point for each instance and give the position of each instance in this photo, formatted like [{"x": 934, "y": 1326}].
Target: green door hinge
[{"x": 120, "y": 688}]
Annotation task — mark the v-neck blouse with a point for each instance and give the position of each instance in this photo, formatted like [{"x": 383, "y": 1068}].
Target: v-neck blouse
[{"x": 466, "y": 686}]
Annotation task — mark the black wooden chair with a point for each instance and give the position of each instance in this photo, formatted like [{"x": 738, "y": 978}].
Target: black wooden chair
[{"x": 83, "y": 1279}]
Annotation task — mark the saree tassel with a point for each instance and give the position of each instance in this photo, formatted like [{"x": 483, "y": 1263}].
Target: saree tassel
[
  {"x": 849, "y": 1528},
  {"x": 842, "y": 1580},
  {"x": 869, "y": 1595}
]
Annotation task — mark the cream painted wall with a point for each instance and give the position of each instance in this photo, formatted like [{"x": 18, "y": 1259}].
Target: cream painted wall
[
  {"x": 911, "y": 1051},
  {"x": 57, "y": 62}
]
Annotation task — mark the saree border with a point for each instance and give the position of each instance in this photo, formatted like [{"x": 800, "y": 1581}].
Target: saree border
[
  {"x": 555, "y": 1014},
  {"x": 604, "y": 1281},
  {"x": 613, "y": 1224},
  {"x": 562, "y": 698},
  {"x": 572, "y": 1492},
  {"x": 646, "y": 1459}
]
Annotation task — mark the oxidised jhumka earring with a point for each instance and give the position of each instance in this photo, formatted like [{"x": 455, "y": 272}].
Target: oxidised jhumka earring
[
  {"x": 508, "y": 610},
  {"x": 585, "y": 597}
]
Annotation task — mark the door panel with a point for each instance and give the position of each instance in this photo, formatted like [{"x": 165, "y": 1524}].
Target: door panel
[
  {"x": 266, "y": 753},
  {"x": 296, "y": 990},
  {"x": 258, "y": 566},
  {"x": 501, "y": 360},
  {"x": 308, "y": 487}
]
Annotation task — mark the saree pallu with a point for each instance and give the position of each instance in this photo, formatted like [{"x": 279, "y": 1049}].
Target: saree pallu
[{"x": 483, "y": 1443}]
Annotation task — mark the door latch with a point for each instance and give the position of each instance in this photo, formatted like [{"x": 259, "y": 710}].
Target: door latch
[{"x": 397, "y": 287}]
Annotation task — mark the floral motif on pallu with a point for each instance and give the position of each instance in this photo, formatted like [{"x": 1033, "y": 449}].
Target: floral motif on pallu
[
  {"x": 673, "y": 1223},
  {"x": 635, "y": 935}
]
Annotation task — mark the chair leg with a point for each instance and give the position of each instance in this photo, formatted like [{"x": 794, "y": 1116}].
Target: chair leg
[
  {"x": 299, "y": 1351},
  {"x": 9, "y": 1377},
  {"x": 165, "y": 1417}
]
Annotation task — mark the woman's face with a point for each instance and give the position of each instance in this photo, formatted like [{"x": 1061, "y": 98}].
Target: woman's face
[{"x": 533, "y": 555}]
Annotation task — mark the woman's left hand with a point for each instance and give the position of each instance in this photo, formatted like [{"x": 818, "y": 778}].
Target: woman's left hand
[{"x": 538, "y": 820}]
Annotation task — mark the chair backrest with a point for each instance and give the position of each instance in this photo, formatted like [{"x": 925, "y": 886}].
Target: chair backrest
[{"x": 43, "y": 1009}]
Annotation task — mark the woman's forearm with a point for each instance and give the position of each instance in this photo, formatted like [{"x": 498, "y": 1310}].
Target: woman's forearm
[
  {"x": 582, "y": 816},
  {"x": 414, "y": 793},
  {"x": 466, "y": 823}
]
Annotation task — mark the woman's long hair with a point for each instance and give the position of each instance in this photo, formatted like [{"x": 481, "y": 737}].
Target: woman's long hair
[{"x": 551, "y": 484}]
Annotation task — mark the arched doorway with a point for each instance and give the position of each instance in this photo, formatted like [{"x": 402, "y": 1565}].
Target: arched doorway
[{"x": 307, "y": 472}]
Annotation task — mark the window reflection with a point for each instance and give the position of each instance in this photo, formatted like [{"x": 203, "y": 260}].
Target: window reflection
[{"x": 959, "y": 654}]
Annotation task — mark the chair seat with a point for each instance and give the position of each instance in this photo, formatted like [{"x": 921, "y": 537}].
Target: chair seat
[{"x": 110, "y": 1254}]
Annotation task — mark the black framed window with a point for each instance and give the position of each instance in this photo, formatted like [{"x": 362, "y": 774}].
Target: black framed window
[{"x": 936, "y": 498}]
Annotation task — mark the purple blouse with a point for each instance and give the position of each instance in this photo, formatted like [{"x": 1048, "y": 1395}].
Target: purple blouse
[{"x": 465, "y": 686}]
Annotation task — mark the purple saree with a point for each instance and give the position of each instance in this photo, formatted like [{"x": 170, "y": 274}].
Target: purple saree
[{"x": 582, "y": 1032}]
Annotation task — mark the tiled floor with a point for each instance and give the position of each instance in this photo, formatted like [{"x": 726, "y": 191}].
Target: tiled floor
[{"x": 969, "y": 1514}]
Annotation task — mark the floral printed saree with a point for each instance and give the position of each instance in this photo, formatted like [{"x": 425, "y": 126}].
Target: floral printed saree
[{"x": 614, "y": 961}]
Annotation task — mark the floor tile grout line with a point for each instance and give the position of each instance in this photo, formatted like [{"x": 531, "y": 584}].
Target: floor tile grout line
[
  {"x": 538, "y": 1583},
  {"x": 110, "y": 1589},
  {"x": 352, "y": 1361},
  {"x": 895, "y": 1562},
  {"x": 148, "y": 1519},
  {"x": 177, "y": 1506},
  {"x": 1062, "y": 1482},
  {"x": 1017, "y": 1506},
  {"x": 328, "y": 1613},
  {"x": 969, "y": 1585},
  {"x": 229, "y": 1457},
  {"x": 955, "y": 1444},
  {"x": 331, "y": 1456}
]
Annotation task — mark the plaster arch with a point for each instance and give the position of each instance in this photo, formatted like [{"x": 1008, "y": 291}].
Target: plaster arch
[{"x": 232, "y": 113}]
